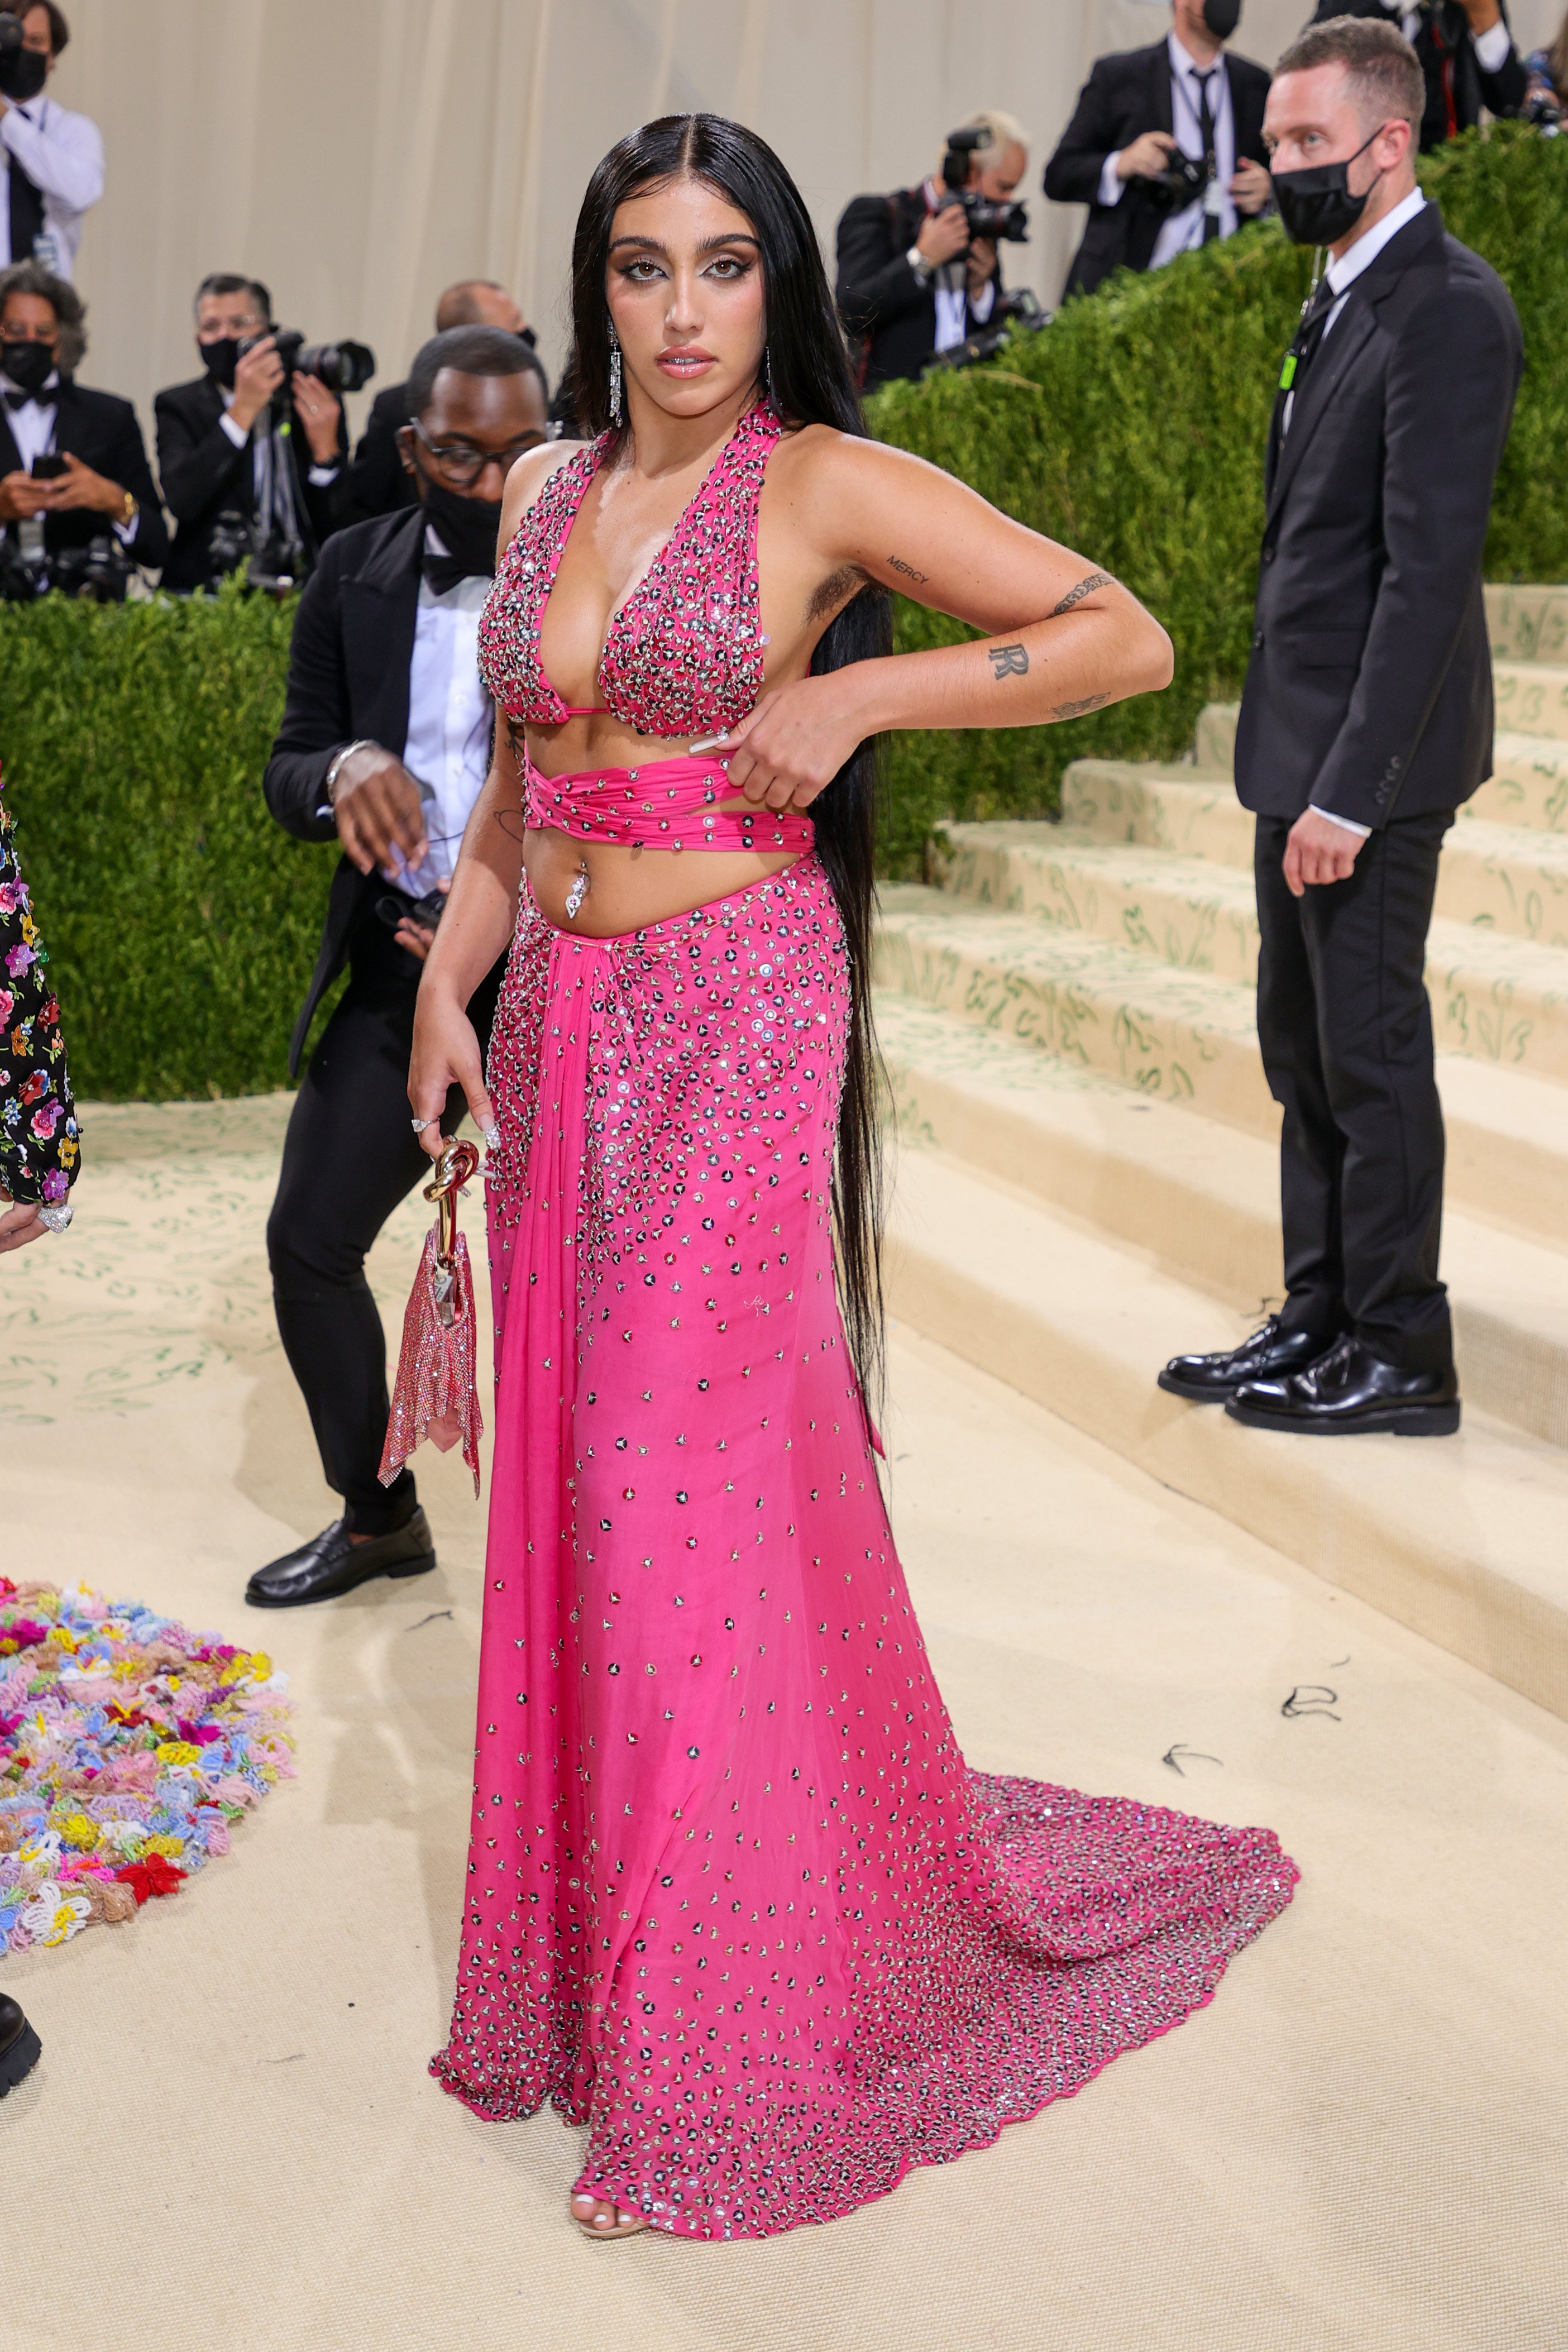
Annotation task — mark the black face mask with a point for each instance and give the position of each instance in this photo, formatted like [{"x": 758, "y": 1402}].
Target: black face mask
[
  {"x": 221, "y": 359},
  {"x": 1316, "y": 206},
  {"x": 28, "y": 365},
  {"x": 468, "y": 527},
  {"x": 25, "y": 75},
  {"x": 1222, "y": 18}
]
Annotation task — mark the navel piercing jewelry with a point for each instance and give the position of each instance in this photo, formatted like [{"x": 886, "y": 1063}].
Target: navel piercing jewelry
[
  {"x": 578, "y": 891},
  {"x": 615, "y": 375}
]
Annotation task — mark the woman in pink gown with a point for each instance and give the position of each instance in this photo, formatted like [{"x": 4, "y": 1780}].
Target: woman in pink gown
[{"x": 734, "y": 1900}]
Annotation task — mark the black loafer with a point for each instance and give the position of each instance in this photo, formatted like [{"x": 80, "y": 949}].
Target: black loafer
[
  {"x": 20, "y": 2049},
  {"x": 1269, "y": 1354},
  {"x": 330, "y": 1564},
  {"x": 1350, "y": 1391}
]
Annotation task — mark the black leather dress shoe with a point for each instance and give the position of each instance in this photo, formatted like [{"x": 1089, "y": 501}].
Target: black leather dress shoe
[
  {"x": 1269, "y": 1354},
  {"x": 330, "y": 1564},
  {"x": 20, "y": 2049},
  {"x": 1350, "y": 1391}
]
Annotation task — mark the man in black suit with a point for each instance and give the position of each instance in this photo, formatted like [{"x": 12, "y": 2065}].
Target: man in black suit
[
  {"x": 911, "y": 280},
  {"x": 233, "y": 479},
  {"x": 1466, "y": 51},
  {"x": 385, "y": 742},
  {"x": 95, "y": 483},
  {"x": 1185, "y": 96},
  {"x": 1366, "y": 720},
  {"x": 377, "y": 481}
]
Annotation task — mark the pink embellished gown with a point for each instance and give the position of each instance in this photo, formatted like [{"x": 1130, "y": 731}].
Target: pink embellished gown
[{"x": 734, "y": 1900}]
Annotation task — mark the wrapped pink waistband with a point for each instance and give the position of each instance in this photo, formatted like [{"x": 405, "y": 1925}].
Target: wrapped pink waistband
[{"x": 668, "y": 804}]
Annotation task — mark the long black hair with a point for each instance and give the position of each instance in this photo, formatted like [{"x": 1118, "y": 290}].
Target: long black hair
[{"x": 812, "y": 383}]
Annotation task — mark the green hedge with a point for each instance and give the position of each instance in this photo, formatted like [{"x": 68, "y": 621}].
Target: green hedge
[
  {"x": 1133, "y": 429},
  {"x": 181, "y": 924}
]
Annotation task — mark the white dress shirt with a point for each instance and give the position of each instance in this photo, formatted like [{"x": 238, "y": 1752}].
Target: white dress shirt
[
  {"x": 1180, "y": 231},
  {"x": 32, "y": 427},
  {"x": 447, "y": 749},
  {"x": 1492, "y": 47},
  {"x": 1341, "y": 273},
  {"x": 62, "y": 154},
  {"x": 320, "y": 476}
]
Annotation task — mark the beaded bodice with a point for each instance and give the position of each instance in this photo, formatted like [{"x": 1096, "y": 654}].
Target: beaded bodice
[{"x": 684, "y": 653}]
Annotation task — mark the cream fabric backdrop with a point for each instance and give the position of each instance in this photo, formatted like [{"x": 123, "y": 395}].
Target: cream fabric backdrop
[{"x": 359, "y": 154}]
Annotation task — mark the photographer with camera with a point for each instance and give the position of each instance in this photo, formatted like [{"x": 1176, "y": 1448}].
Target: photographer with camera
[
  {"x": 918, "y": 270},
  {"x": 1466, "y": 53},
  {"x": 385, "y": 743},
  {"x": 244, "y": 486},
  {"x": 77, "y": 494},
  {"x": 53, "y": 159},
  {"x": 1165, "y": 147}
]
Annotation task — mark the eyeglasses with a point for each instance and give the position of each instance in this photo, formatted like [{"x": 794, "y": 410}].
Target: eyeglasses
[
  {"x": 220, "y": 328},
  {"x": 459, "y": 463}
]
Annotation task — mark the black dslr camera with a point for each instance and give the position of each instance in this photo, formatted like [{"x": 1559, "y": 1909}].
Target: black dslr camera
[
  {"x": 1006, "y": 223},
  {"x": 22, "y": 71},
  {"x": 1015, "y": 312},
  {"x": 100, "y": 573},
  {"x": 1181, "y": 183},
  {"x": 341, "y": 367}
]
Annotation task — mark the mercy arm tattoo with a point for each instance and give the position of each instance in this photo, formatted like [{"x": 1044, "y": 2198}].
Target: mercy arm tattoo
[
  {"x": 1009, "y": 661},
  {"x": 1077, "y": 709},
  {"x": 1084, "y": 588},
  {"x": 897, "y": 563}
]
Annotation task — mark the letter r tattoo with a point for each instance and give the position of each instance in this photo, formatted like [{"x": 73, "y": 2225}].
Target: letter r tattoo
[{"x": 1009, "y": 661}]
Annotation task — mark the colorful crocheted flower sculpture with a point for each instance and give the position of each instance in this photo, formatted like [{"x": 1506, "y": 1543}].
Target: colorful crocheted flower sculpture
[{"x": 127, "y": 1747}]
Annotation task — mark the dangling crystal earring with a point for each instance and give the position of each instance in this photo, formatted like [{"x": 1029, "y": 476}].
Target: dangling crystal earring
[
  {"x": 615, "y": 376},
  {"x": 771, "y": 395}
]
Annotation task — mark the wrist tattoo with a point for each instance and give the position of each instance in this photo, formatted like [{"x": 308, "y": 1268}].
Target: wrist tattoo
[
  {"x": 897, "y": 563},
  {"x": 1009, "y": 661},
  {"x": 1077, "y": 709},
  {"x": 1084, "y": 588}
]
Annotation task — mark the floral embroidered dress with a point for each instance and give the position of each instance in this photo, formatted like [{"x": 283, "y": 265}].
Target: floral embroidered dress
[
  {"x": 40, "y": 1144},
  {"x": 735, "y": 1901}
]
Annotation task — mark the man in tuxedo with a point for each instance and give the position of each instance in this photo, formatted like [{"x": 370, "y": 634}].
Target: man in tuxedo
[
  {"x": 377, "y": 482},
  {"x": 52, "y": 159},
  {"x": 1366, "y": 720},
  {"x": 1185, "y": 96},
  {"x": 95, "y": 483},
  {"x": 1466, "y": 51},
  {"x": 385, "y": 742},
  {"x": 911, "y": 280},
  {"x": 233, "y": 478}
]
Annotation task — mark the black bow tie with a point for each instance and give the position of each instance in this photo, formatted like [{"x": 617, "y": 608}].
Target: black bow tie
[
  {"x": 48, "y": 399},
  {"x": 444, "y": 572}
]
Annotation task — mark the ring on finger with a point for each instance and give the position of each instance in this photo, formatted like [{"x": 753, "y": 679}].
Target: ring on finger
[{"x": 419, "y": 1125}]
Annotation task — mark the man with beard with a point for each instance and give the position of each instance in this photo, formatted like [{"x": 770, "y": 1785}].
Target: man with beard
[{"x": 385, "y": 742}]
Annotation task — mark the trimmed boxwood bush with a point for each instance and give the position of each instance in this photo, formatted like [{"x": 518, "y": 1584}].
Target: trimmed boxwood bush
[{"x": 181, "y": 923}]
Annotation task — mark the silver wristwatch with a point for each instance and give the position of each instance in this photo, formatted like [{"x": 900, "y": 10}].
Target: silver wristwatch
[{"x": 919, "y": 265}]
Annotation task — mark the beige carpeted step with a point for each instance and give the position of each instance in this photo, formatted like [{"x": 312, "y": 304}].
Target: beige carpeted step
[
  {"x": 1459, "y": 1537},
  {"x": 1500, "y": 996},
  {"x": 1528, "y": 785},
  {"x": 1532, "y": 698},
  {"x": 1185, "y": 1036},
  {"x": 1528, "y": 623},
  {"x": 1202, "y": 1202},
  {"x": 1191, "y": 811}
]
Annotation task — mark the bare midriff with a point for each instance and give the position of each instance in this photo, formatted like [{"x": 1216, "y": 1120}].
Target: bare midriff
[{"x": 627, "y": 888}]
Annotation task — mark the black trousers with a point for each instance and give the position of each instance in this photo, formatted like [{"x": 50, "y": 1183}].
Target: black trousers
[
  {"x": 1346, "y": 1031},
  {"x": 349, "y": 1157}
]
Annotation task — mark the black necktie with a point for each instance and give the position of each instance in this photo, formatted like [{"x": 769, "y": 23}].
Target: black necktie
[
  {"x": 49, "y": 398},
  {"x": 26, "y": 212},
  {"x": 1211, "y": 162},
  {"x": 444, "y": 572},
  {"x": 1303, "y": 351}
]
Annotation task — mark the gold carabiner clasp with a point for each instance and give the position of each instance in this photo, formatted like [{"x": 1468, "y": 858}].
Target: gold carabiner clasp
[{"x": 453, "y": 1170}]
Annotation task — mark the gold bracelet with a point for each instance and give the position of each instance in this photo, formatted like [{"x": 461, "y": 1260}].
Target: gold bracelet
[{"x": 131, "y": 510}]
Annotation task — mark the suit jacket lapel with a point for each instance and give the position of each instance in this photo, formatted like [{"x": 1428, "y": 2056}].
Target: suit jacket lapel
[
  {"x": 1160, "y": 88},
  {"x": 380, "y": 612},
  {"x": 10, "y": 455}
]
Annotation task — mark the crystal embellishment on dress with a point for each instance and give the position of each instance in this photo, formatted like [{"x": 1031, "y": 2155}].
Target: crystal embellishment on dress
[{"x": 577, "y": 893}]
